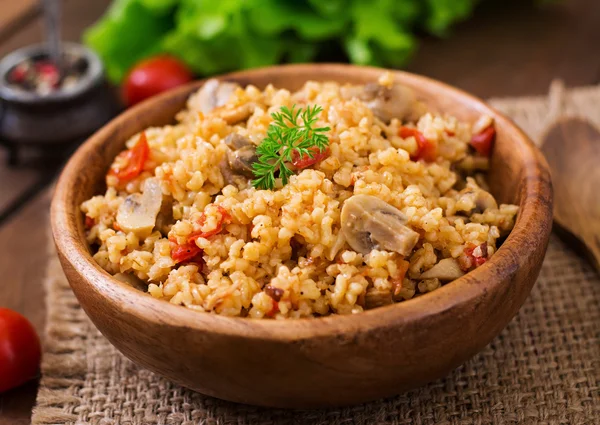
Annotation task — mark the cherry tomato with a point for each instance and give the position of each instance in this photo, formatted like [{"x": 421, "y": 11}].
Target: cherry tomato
[
  {"x": 483, "y": 141},
  {"x": 20, "y": 350},
  {"x": 136, "y": 158},
  {"x": 426, "y": 149},
  {"x": 306, "y": 161},
  {"x": 153, "y": 76}
]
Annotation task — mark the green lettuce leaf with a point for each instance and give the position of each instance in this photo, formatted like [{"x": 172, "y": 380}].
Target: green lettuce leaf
[
  {"x": 127, "y": 33},
  {"x": 215, "y": 36}
]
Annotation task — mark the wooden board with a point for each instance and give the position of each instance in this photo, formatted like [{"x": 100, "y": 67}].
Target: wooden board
[{"x": 23, "y": 244}]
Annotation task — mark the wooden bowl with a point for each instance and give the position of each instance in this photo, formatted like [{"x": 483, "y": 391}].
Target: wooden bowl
[{"x": 335, "y": 360}]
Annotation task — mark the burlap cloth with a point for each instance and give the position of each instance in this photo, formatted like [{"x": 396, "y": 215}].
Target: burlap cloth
[{"x": 544, "y": 368}]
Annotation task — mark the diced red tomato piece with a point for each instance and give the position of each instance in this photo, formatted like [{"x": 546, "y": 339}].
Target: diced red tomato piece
[
  {"x": 89, "y": 222},
  {"x": 189, "y": 252},
  {"x": 274, "y": 309},
  {"x": 476, "y": 260},
  {"x": 185, "y": 252},
  {"x": 484, "y": 141},
  {"x": 136, "y": 158},
  {"x": 397, "y": 280},
  {"x": 223, "y": 221},
  {"x": 306, "y": 161},
  {"x": 426, "y": 149}
]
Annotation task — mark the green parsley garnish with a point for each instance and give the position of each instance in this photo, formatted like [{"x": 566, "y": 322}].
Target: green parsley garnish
[{"x": 284, "y": 137}]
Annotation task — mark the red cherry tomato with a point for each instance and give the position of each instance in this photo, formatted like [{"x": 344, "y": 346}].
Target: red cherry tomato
[
  {"x": 20, "y": 350},
  {"x": 153, "y": 76},
  {"x": 426, "y": 149},
  {"x": 483, "y": 141},
  {"x": 306, "y": 161},
  {"x": 136, "y": 158}
]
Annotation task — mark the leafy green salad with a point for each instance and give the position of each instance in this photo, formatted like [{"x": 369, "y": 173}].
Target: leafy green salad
[{"x": 214, "y": 36}]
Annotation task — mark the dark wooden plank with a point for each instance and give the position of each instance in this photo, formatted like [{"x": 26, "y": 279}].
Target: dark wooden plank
[
  {"x": 14, "y": 181},
  {"x": 16, "y": 13},
  {"x": 513, "y": 48},
  {"x": 24, "y": 237},
  {"x": 23, "y": 242},
  {"x": 77, "y": 15}
]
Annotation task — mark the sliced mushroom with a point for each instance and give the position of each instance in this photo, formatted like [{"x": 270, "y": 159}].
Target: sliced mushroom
[
  {"x": 241, "y": 160},
  {"x": 389, "y": 102},
  {"x": 484, "y": 200},
  {"x": 226, "y": 172},
  {"x": 138, "y": 212},
  {"x": 370, "y": 223},
  {"x": 481, "y": 200},
  {"x": 377, "y": 298},
  {"x": 214, "y": 94},
  {"x": 446, "y": 270},
  {"x": 236, "y": 141}
]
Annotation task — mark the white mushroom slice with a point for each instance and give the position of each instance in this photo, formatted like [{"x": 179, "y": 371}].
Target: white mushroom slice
[
  {"x": 213, "y": 94},
  {"x": 485, "y": 200},
  {"x": 370, "y": 223},
  {"x": 377, "y": 298},
  {"x": 446, "y": 270},
  {"x": 389, "y": 102},
  {"x": 478, "y": 198},
  {"x": 236, "y": 141},
  {"x": 138, "y": 212}
]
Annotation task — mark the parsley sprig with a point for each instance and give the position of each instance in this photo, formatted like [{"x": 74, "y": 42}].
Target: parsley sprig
[{"x": 284, "y": 137}]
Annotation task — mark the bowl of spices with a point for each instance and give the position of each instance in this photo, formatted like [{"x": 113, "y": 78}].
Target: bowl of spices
[{"x": 45, "y": 104}]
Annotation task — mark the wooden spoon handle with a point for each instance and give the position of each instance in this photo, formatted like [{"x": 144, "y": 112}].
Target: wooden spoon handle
[{"x": 572, "y": 149}]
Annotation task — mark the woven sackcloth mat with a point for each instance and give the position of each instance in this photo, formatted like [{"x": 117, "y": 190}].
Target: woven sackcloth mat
[{"x": 544, "y": 368}]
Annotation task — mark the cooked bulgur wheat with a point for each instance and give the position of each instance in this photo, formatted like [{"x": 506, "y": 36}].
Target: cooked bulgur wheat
[{"x": 282, "y": 253}]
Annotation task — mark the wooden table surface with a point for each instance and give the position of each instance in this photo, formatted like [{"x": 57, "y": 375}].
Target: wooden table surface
[{"x": 508, "y": 48}]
